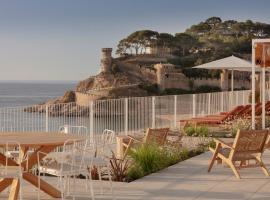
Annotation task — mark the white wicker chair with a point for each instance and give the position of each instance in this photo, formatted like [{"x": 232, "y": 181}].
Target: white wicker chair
[
  {"x": 105, "y": 144},
  {"x": 66, "y": 166}
]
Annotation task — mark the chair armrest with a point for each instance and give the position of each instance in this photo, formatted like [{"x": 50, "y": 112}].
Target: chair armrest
[
  {"x": 223, "y": 144},
  {"x": 135, "y": 139}
]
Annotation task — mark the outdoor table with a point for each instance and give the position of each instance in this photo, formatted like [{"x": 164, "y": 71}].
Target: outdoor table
[{"x": 39, "y": 141}]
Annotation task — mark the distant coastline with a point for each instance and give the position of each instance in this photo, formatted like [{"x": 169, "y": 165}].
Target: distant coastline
[{"x": 41, "y": 81}]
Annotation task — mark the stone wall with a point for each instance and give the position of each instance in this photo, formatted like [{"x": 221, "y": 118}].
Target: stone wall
[
  {"x": 83, "y": 99},
  {"x": 204, "y": 81},
  {"x": 171, "y": 78},
  {"x": 175, "y": 80},
  {"x": 238, "y": 83}
]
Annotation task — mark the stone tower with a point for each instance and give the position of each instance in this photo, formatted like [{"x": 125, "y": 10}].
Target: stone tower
[
  {"x": 161, "y": 71},
  {"x": 106, "y": 59},
  {"x": 160, "y": 75}
]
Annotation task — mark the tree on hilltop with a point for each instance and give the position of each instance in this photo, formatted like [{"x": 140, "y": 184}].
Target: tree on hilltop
[
  {"x": 185, "y": 42},
  {"x": 137, "y": 41}
]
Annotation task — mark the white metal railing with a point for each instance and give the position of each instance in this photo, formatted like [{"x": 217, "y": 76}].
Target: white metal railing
[{"x": 125, "y": 115}]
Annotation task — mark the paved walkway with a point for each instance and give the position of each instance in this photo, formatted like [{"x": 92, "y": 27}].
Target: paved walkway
[{"x": 190, "y": 180}]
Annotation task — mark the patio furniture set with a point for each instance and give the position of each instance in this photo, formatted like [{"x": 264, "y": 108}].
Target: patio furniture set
[
  {"x": 66, "y": 156},
  {"x": 61, "y": 154}
]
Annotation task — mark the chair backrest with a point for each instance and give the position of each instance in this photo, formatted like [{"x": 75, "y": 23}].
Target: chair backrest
[
  {"x": 108, "y": 136},
  {"x": 73, "y": 153},
  {"x": 230, "y": 115},
  {"x": 105, "y": 142},
  {"x": 157, "y": 136},
  {"x": 258, "y": 110},
  {"x": 70, "y": 129},
  {"x": 76, "y": 130},
  {"x": 249, "y": 142},
  {"x": 243, "y": 112},
  {"x": 249, "y": 110}
]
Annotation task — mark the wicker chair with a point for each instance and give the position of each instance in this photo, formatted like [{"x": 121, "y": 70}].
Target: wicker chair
[
  {"x": 247, "y": 146},
  {"x": 157, "y": 136}
]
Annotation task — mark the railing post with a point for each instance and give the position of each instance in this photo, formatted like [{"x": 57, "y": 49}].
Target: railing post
[
  {"x": 222, "y": 101},
  {"x": 175, "y": 111},
  {"x": 47, "y": 118},
  {"x": 237, "y": 98},
  {"x": 209, "y": 103},
  {"x": 193, "y": 105},
  {"x": 153, "y": 112},
  {"x": 245, "y": 97},
  {"x": 91, "y": 120},
  {"x": 230, "y": 100},
  {"x": 126, "y": 116}
]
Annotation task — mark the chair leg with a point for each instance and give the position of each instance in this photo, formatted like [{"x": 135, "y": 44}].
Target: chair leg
[
  {"x": 90, "y": 180},
  {"x": 231, "y": 165},
  {"x": 214, "y": 157},
  {"x": 39, "y": 174},
  {"x": 21, "y": 183},
  {"x": 100, "y": 179},
  {"x": 262, "y": 165},
  {"x": 111, "y": 183}
]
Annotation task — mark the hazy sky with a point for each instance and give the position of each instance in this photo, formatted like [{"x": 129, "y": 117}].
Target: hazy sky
[{"x": 61, "y": 39}]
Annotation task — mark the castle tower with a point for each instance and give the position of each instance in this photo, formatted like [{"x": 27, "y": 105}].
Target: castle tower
[
  {"x": 160, "y": 75},
  {"x": 106, "y": 59},
  {"x": 162, "y": 70}
]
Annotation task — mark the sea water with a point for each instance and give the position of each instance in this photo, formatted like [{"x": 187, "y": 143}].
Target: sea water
[{"x": 13, "y": 94}]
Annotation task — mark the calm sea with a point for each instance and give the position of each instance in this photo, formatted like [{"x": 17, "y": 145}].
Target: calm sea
[{"x": 29, "y": 93}]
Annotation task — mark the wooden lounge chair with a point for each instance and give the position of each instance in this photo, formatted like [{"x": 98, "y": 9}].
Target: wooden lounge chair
[
  {"x": 247, "y": 146},
  {"x": 157, "y": 136},
  {"x": 214, "y": 119}
]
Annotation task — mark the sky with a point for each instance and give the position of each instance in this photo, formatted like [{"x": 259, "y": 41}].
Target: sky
[{"x": 61, "y": 39}]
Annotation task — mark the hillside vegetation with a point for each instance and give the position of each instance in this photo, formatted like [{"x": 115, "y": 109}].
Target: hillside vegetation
[{"x": 203, "y": 42}]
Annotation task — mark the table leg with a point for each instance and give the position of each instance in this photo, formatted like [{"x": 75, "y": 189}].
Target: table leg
[
  {"x": 4, "y": 183},
  {"x": 14, "y": 190},
  {"x": 119, "y": 147},
  {"x": 44, "y": 186}
]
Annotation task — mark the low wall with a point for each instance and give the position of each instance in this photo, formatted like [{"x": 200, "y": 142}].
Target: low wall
[
  {"x": 175, "y": 80},
  {"x": 83, "y": 99},
  {"x": 205, "y": 81},
  {"x": 238, "y": 83}
]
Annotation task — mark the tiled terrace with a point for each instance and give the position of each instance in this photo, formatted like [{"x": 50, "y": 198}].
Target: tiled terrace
[{"x": 188, "y": 180}]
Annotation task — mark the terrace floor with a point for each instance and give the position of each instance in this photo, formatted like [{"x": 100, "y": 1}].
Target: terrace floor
[{"x": 187, "y": 180}]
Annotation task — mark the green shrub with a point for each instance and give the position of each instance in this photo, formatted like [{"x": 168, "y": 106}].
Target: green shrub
[
  {"x": 134, "y": 173},
  {"x": 149, "y": 158},
  {"x": 212, "y": 144},
  {"x": 190, "y": 130},
  {"x": 184, "y": 154},
  {"x": 201, "y": 131}
]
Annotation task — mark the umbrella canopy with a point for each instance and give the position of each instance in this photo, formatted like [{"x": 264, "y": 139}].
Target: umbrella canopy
[{"x": 228, "y": 63}]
